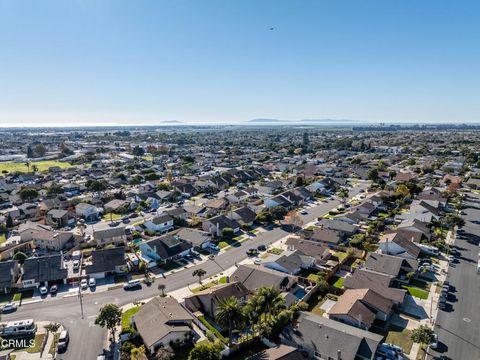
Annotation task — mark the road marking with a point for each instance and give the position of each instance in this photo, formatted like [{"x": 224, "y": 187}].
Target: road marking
[{"x": 467, "y": 319}]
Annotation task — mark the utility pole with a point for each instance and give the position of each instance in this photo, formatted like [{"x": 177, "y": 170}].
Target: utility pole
[{"x": 80, "y": 296}]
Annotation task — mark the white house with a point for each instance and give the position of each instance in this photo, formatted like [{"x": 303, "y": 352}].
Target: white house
[{"x": 161, "y": 223}]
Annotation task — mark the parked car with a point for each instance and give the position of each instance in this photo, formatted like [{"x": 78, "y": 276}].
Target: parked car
[
  {"x": 434, "y": 341},
  {"x": 132, "y": 284},
  {"x": 10, "y": 307},
  {"x": 397, "y": 349},
  {"x": 252, "y": 252},
  {"x": 84, "y": 284},
  {"x": 213, "y": 247},
  {"x": 53, "y": 289},
  {"x": 304, "y": 212},
  {"x": 257, "y": 261},
  {"x": 63, "y": 340},
  {"x": 43, "y": 290},
  {"x": 92, "y": 282},
  {"x": 261, "y": 248}
]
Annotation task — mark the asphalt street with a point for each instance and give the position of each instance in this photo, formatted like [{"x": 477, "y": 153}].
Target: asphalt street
[
  {"x": 87, "y": 339},
  {"x": 458, "y": 326}
]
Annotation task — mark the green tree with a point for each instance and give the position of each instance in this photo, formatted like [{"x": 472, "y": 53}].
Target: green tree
[
  {"x": 323, "y": 286},
  {"x": 204, "y": 351},
  {"x": 372, "y": 174},
  {"x": 27, "y": 193},
  {"x": 269, "y": 300},
  {"x": 278, "y": 212},
  {"x": 229, "y": 314},
  {"x": 299, "y": 181},
  {"x": 9, "y": 223},
  {"x": 264, "y": 217},
  {"x": 137, "y": 353},
  {"x": 200, "y": 273},
  {"x": 422, "y": 334},
  {"x": 109, "y": 317}
]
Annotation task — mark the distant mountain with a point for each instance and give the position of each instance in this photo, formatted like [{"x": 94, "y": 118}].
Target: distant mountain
[
  {"x": 171, "y": 122},
  {"x": 310, "y": 121},
  {"x": 266, "y": 121}
]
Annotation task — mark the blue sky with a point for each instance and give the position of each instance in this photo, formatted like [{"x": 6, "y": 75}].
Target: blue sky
[{"x": 83, "y": 62}]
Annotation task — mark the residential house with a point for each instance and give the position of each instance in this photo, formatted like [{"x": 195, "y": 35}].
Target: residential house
[
  {"x": 115, "y": 235},
  {"x": 217, "y": 224},
  {"x": 51, "y": 240},
  {"x": 164, "y": 248},
  {"x": 162, "y": 321},
  {"x": 398, "y": 245},
  {"x": 360, "y": 308},
  {"x": 244, "y": 216},
  {"x": 87, "y": 211},
  {"x": 326, "y": 339},
  {"x": 392, "y": 265},
  {"x": 160, "y": 223},
  {"x": 196, "y": 238},
  {"x": 105, "y": 262},
  {"x": 58, "y": 217},
  {"x": 48, "y": 269},
  {"x": 378, "y": 282},
  {"x": 290, "y": 262},
  {"x": 207, "y": 300}
]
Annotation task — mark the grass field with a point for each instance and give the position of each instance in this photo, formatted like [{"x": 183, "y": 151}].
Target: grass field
[
  {"x": 2, "y": 238},
  {"x": 112, "y": 217},
  {"x": 127, "y": 315},
  {"x": 416, "y": 292},
  {"x": 339, "y": 282},
  {"x": 11, "y": 166},
  {"x": 222, "y": 280},
  {"x": 400, "y": 337}
]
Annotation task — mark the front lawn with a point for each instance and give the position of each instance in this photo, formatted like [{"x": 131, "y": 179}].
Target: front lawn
[
  {"x": 275, "y": 251},
  {"x": 112, "y": 217},
  {"x": 400, "y": 337},
  {"x": 222, "y": 280},
  {"x": 127, "y": 316},
  {"x": 339, "y": 282},
  {"x": 416, "y": 292}
]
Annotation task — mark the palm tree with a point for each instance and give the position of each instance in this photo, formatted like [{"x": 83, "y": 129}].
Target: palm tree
[
  {"x": 34, "y": 168},
  {"x": 27, "y": 164},
  {"x": 199, "y": 273},
  {"x": 269, "y": 300},
  {"x": 161, "y": 287},
  {"x": 229, "y": 314}
]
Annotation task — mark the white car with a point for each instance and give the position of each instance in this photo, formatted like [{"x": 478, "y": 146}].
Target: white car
[
  {"x": 92, "y": 282},
  {"x": 43, "y": 290},
  {"x": 84, "y": 284},
  {"x": 132, "y": 284},
  {"x": 9, "y": 307}
]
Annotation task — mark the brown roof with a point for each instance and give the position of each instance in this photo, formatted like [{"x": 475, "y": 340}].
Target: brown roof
[
  {"x": 159, "y": 317},
  {"x": 380, "y": 283},
  {"x": 350, "y": 304}
]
